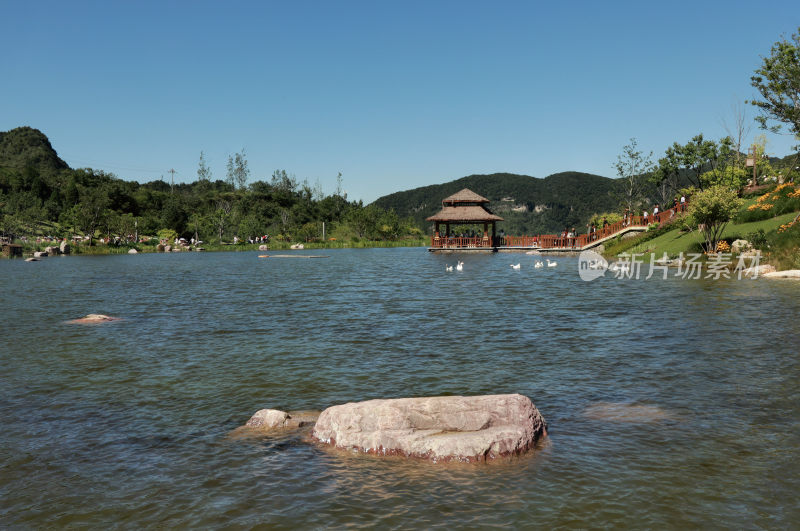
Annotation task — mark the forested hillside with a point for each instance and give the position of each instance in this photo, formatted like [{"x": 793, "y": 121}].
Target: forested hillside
[
  {"x": 529, "y": 205},
  {"x": 41, "y": 195}
]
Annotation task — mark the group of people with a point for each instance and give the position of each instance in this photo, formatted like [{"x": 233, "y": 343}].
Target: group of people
[{"x": 259, "y": 239}]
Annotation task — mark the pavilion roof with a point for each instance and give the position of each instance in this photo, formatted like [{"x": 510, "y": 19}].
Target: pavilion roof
[
  {"x": 464, "y": 196},
  {"x": 465, "y": 214}
]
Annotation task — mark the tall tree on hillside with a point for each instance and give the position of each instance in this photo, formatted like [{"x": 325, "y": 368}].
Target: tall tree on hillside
[
  {"x": 230, "y": 177},
  {"x": 632, "y": 166},
  {"x": 738, "y": 128},
  {"x": 778, "y": 82},
  {"x": 203, "y": 171},
  {"x": 238, "y": 172},
  {"x": 696, "y": 157}
]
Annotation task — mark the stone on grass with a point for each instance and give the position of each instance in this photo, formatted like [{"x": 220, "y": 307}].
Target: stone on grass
[
  {"x": 443, "y": 428},
  {"x": 263, "y": 247},
  {"x": 133, "y": 251},
  {"x": 760, "y": 270},
  {"x": 739, "y": 246},
  {"x": 789, "y": 273}
]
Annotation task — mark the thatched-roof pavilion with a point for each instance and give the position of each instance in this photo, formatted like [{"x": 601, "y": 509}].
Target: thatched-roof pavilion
[{"x": 465, "y": 208}]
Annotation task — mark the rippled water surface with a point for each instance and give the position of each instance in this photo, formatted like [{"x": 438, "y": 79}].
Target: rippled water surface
[{"x": 670, "y": 403}]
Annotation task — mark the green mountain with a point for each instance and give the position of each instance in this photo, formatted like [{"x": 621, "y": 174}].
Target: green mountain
[
  {"x": 529, "y": 205},
  {"x": 26, "y": 147}
]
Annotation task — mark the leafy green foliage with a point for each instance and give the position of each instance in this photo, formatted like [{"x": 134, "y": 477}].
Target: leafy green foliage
[
  {"x": 40, "y": 194},
  {"x": 711, "y": 210},
  {"x": 778, "y": 82}
]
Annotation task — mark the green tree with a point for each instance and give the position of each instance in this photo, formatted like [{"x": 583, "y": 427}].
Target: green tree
[
  {"x": 730, "y": 176},
  {"x": 632, "y": 167},
  {"x": 237, "y": 170},
  {"x": 203, "y": 171},
  {"x": 221, "y": 216},
  {"x": 711, "y": 210},
  {"x": 250, "y": 227},
  {"x": 778, "y": 82}
]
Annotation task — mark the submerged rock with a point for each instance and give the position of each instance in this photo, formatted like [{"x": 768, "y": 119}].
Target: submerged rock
[
  {"x": 274, "y": 418},
  {"x": 94, "y": 318},
  {"x": 446, "y": 428},
  {"x": 625, "y": 412}
]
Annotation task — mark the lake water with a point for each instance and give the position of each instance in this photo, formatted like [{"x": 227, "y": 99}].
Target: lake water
[{"x": 670, "y": 403}]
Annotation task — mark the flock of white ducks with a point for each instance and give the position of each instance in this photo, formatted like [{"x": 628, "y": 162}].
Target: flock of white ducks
[{"x": 460, "y": 265}]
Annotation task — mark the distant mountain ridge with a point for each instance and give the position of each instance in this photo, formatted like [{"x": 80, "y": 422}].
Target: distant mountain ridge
[{"x": 528, "y": 204}]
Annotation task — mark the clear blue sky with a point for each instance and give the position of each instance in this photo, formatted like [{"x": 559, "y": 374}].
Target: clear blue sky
[{"x": 393, "y": 95}]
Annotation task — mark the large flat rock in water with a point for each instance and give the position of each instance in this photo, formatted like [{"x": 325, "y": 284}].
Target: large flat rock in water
[{"x": 443, "y": 428}]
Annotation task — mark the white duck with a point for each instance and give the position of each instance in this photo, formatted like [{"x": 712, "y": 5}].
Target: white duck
[
  {"x": 460, "y": 266},
  {"x": 516, "y": 266},
  {"x": 448, "y": 268},
  {"x": 551, "y": 264},
  {"x": 538, "y": 264}
]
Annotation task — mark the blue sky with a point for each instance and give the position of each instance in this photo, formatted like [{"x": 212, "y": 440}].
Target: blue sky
[{"x": 393, "y": 95}]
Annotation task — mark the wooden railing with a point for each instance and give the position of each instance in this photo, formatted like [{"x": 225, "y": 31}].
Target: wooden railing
[{"x": 555, "y": 241}]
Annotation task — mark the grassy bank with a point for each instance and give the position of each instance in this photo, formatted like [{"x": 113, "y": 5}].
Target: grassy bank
[{"x": 780, "y": 245}]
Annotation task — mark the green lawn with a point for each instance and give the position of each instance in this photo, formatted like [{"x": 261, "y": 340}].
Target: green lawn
[{"x": 674, "y": 242}]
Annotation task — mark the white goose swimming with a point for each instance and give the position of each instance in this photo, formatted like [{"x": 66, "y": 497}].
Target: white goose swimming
[
  {"x": 448, "y": 268},
  {"x": 538, "y": 264},
  {"x": 551, "y": 264},
  {"x": 460, "y": 266},
  {"x": 516, "y": 266}
]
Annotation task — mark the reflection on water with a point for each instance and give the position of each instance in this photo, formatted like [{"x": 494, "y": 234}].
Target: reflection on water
[{"x": 669, "y": 403}]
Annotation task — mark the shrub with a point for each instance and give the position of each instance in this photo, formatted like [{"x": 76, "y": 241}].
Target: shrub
[{"x": 758, "y": 239}]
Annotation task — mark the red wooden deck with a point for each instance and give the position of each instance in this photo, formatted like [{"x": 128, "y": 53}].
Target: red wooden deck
[{"x": 555, "y": 242}]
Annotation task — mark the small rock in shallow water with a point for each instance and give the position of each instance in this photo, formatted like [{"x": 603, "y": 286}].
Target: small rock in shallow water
[
  {"x": 269, "y": 421},
  {"x": 94, "y": 318}
]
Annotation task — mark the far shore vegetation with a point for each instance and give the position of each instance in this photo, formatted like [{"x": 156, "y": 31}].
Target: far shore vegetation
[{"x": 734, "y": 191}]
